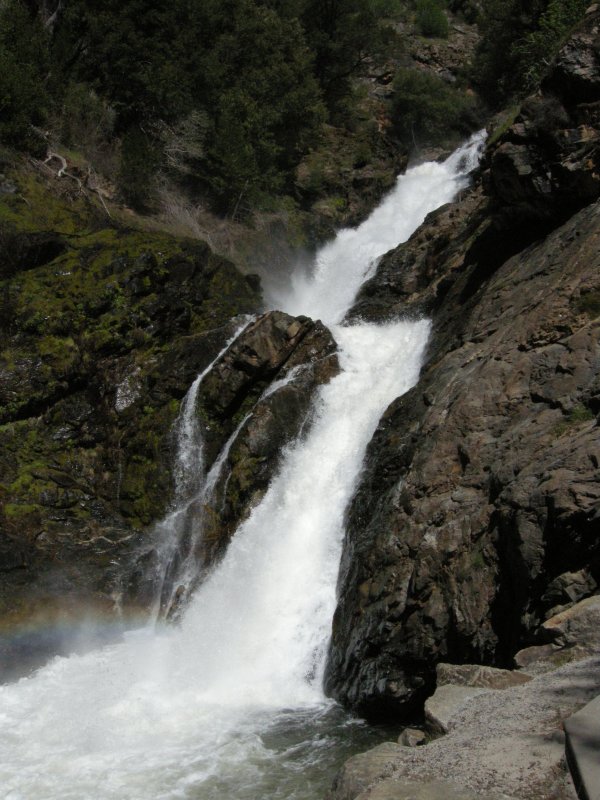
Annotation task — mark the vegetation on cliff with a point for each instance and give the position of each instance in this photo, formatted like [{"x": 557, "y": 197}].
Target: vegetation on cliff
[
  {"x": 228, "y": 96},
  {"x": 519, "y": 40},
  {"x": 227, "y": 99},
  {"x": 102, "y": 329}
]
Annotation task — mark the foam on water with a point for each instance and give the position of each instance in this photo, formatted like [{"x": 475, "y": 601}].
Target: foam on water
[{"x": 229, "y": 704}]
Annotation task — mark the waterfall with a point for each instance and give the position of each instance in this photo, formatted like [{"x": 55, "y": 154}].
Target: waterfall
[
  {"x": 229, "y": 704},
  {"x": 327, "y": 288},
  {"x": 190, "y": 480}
]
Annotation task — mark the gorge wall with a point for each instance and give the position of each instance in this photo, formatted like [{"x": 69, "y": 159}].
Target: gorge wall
[
  {"x": 478, "y": 512},
  {"x": 103, "y": 328}
]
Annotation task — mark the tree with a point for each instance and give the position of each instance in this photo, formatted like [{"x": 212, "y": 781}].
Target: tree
[
  {"x": 535, "y": 51},
  {"x": 269, "y": 107},
  {"x": 431, "y": 19},
  {"x": 425, "y": 108},
  {"x": 519, "y": 40},
  {"x": 342, "y": 34},
  {"x": 128, "y": 50},
  {"x": 23, "y": 70}
]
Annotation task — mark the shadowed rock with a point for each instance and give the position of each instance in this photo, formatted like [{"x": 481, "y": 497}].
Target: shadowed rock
[{"x": 292, "y": 357}]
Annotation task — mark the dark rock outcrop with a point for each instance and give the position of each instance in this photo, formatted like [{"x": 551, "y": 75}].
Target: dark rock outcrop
[
  {"x": 276, "y": 419},
  {"x": 268, "y": 350},
  {"x": 22, "y": 251},
  {"x": 255, "y": 400},
  {"x": 546, "y": 165},
  {"x": 480, "y": 498}
]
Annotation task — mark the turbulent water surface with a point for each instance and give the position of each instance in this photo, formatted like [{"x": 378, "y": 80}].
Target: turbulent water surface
[{"x": 229, "y": 703}]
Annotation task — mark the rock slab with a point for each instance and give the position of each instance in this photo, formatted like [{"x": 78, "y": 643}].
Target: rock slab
[
  {"x": 412, "y": 737},
  {"x": 477, "y": 676},
  {"x": 393, "y": 789},
  {"x": 509, "y": 743},
  {"x": 583, "y": 749},
  {"x": 577, "y": 626},
  {"x": 446, "y": 703}
]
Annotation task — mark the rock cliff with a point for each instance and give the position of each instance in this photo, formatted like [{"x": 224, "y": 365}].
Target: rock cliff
[
  {"x": 478, "y": 511},
  {"x": 102, "y": 330}
]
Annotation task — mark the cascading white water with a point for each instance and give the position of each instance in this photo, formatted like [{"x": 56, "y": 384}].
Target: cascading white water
[
  {"x": 190, "y": 482},
  {"x": 229, "y": 705},
  {"x": 326, "y": 291},
  {"x": 189, "y": 458}
]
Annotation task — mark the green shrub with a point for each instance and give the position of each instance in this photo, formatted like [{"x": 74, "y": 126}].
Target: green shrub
[
  {"x": 519, "y": 40},
  {"x": 425, "y": 108},
  {"x": 468, "y": 9},
  {"x": 431, "y": 19},
  {"x": 537, "y": 48},
  {"x": 86, "y": 120}
]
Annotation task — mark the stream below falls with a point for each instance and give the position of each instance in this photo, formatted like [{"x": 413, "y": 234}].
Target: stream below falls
[{"x": 228, "y": 704}]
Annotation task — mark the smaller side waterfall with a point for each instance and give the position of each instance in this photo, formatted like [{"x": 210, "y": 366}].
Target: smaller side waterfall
[
  {"x": 174, "y": 535},
  {"x": 189, "y": 459}
]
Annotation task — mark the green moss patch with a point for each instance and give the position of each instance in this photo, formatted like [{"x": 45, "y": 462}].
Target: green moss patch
[{"x": 104, "y": 306}]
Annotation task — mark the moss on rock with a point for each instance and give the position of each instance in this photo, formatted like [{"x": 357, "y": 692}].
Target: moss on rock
[{"x": 101, "y": 333}]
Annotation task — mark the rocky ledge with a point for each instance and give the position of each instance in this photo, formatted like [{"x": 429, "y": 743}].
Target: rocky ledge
[
  {"x": 503, "y": 731},
  {"x": 254, "y": 401}
]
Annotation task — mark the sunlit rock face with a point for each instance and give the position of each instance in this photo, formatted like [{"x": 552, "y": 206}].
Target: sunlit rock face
[{"x": 480, "y": 496}]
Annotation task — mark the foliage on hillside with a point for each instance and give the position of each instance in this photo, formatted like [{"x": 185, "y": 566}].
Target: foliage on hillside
[
  {"x": 426, "y": 108},
  {"x": 23, "y": 66},
  {"x": 431, "y": 20},
  {"x": 227, "y": 96},
  {"x": 520, "y": 38}
]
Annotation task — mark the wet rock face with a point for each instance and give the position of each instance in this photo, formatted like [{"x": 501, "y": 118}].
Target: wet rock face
[
  {"x": 481, "y": 484},
  {"x": 268, "y": 350},
  {"x": 415, "y": 278},
  {"x": 254, "y": 402}
]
